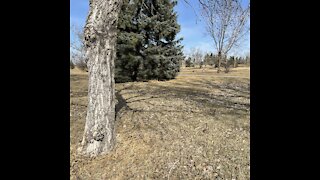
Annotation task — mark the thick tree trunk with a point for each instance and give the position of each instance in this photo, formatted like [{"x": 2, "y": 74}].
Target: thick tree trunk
[{"x": 100, "y": 40}]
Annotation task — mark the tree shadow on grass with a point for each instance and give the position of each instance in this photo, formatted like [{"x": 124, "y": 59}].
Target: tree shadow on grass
[
  {"x": 77, "y": 77},
  {"x": 210, "y": 102}
]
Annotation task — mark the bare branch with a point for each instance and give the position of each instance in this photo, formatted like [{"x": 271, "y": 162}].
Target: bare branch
[
  {"x": 225, "y": 22},
  {"x": 194, "y": 11},
  {"x": 77, "y": 46}
]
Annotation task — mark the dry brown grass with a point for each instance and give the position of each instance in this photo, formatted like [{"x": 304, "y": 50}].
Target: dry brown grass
[
  {"x": 193, "y": 127},
  {"x": 77, "y": 71}
]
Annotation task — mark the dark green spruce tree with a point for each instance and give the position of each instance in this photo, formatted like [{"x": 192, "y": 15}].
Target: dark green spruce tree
[
  {"x": 189, "y": 62},
  {"x": 129, "y": 42},
  {"x": 147, "y": 47},
  {"x": 166, "y": 29}
]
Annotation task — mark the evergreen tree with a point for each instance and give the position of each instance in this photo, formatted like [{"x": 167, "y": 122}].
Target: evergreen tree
[
  {"x": 189, "y": 62},
  {"x": 147, "y": 45},
  {"x": 129, "y": 42}
]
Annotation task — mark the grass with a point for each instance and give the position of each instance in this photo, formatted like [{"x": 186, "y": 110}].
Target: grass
[{"x": 196, "y": 126}]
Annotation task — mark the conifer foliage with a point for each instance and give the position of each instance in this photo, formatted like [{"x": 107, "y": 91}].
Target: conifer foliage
[{"x": 147, "y": 47}]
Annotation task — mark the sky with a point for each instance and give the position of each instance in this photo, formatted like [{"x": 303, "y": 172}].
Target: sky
[{"x": 192, "y": 27}]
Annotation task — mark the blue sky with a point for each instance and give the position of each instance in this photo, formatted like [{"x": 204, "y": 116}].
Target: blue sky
[{"x": 192, "y": 28}]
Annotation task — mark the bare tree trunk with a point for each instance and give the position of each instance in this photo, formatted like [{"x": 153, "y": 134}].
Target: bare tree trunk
[
  {"x": 226, "y": 64},
  {"x": 100, "y": 40},
  {"x": 226, "y": 22},
  {"x": 219, "y": 62},
  {"x": 234, "y": 63}
]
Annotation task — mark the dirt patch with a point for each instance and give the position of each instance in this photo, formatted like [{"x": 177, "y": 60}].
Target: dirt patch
[{"x": 192, "y": 127}]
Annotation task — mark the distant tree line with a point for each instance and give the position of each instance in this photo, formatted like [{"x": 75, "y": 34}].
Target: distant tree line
[{"x": 211, "y": 59}]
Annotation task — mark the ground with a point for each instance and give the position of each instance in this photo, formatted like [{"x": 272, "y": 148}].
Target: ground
[{"x": 196, "y": 126}]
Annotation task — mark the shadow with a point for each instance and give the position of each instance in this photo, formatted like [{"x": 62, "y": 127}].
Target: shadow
[
  {"x": 203, "y": 97},
  {"x": 210, "y": 102},
  {"x": 143, "y": 99},
  {"x": 121, "y": 102},
  {"x": 149, "y": 114}
]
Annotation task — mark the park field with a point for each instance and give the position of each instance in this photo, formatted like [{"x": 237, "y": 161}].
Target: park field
[{"x": 196, "y": 126}]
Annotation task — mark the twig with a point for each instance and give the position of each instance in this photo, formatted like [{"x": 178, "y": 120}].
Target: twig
[{"x": 173, "y": 166}]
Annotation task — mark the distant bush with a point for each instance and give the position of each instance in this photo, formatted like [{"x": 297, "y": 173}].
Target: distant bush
[
  {"x": 209, "y": 59},
  {"x": 201, "y": 64},
  {"x": 189, "y": 62},
  {"x": 233, "y": 61}
]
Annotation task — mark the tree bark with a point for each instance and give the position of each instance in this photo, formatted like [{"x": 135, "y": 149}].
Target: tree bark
[{"x": 100, "y": 40}]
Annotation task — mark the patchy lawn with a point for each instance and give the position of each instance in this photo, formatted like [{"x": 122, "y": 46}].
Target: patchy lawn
[{"x": 196, "y": 126}]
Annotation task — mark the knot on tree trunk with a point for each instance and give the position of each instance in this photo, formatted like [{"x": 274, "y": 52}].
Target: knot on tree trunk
[
  {"x": 99, "y": 133},
  {"x": 98, "y": 136}
]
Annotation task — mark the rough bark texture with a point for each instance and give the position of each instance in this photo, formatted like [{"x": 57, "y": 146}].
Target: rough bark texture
[{"x": 100, "y": 40}]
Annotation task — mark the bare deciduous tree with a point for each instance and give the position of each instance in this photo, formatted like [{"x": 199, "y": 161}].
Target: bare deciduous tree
[
  {"x": 100, "y": 33},
  {"x": 226, "y": 22},
  {"x": 77, "y": 48},
  {"x": 197, "y": 55}
]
